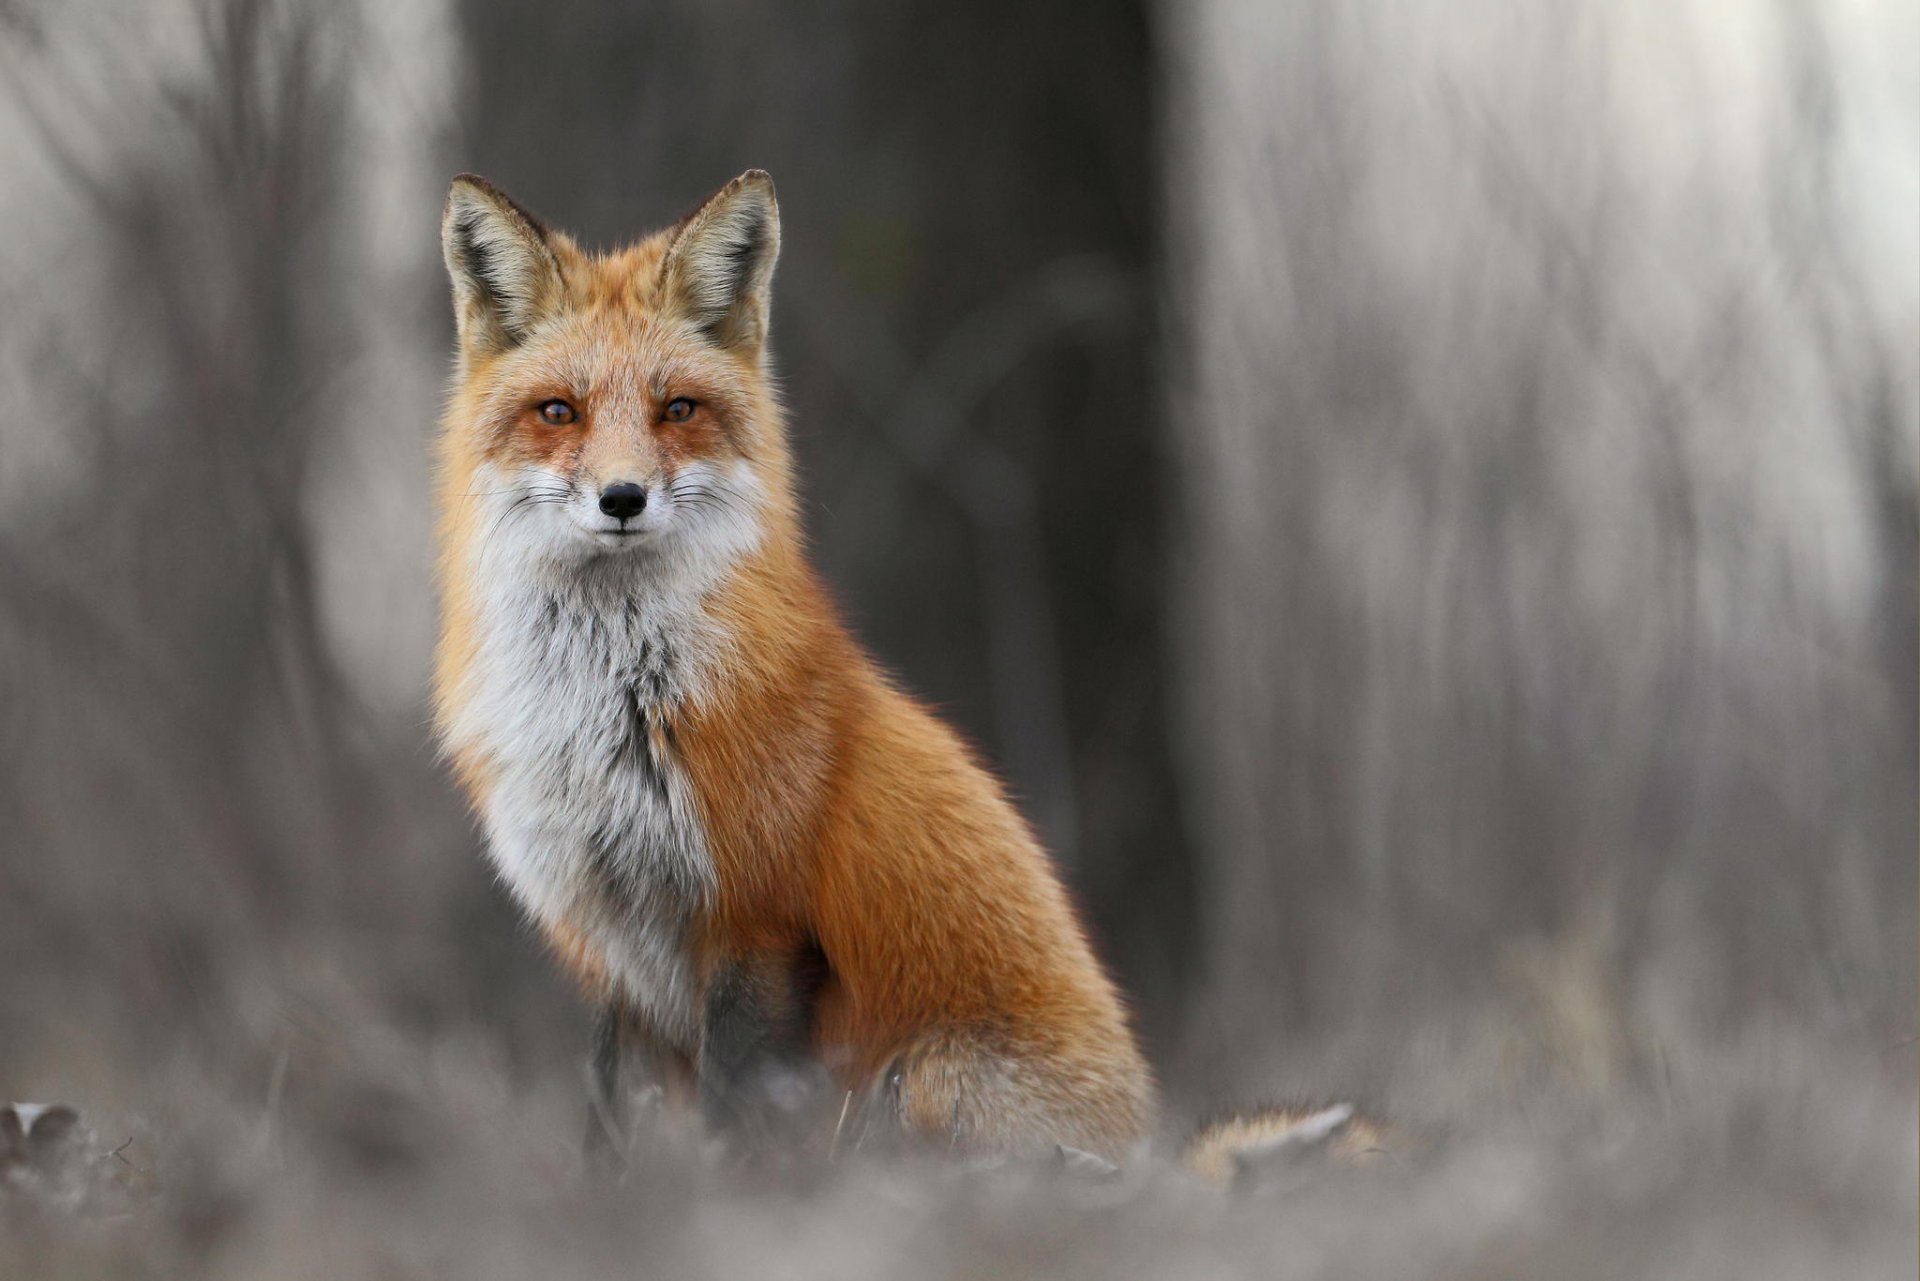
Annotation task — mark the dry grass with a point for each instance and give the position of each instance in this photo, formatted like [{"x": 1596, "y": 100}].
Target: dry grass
[{"x": 385, "y": 1153}]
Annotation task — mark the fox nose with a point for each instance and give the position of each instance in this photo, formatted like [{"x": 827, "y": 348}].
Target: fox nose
[{"x": 623, "y": 500}]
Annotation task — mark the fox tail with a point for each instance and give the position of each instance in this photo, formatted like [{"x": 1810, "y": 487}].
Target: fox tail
[{"x": 1248, "y": 1147}]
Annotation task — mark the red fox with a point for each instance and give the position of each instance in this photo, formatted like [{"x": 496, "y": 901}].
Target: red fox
[{"x": 748, "y": 844}]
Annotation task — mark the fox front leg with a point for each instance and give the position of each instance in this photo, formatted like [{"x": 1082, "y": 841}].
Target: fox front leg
[
  {"x": 606, "y": 1141},
  {"x": 625, "y": 1056},
  {"x": 760, "y": 1083}
]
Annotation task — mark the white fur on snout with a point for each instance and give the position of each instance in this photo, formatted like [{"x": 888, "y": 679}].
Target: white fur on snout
[
  {"x": 586, "y": 655},
  {"x": 712, "y": 512}
]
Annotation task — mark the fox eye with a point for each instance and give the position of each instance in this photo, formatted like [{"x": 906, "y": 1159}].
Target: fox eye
[
  {"x": 679, "y": 409},
  {"x": 557, "y": 413}
]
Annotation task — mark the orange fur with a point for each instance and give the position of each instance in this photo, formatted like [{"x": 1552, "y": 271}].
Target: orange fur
[
  {"x": 578, "y": 957},
  {"x": 838, "y": 812},
  {"x": 1224, "y": 1149}
]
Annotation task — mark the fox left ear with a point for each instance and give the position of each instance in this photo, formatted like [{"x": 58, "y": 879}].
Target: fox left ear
[{"x": 719, "y": 268}]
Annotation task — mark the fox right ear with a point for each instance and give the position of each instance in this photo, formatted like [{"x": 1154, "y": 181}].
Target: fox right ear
[
  {"x": 719, "y": 267},
  {"x": 506, "y": 276}
]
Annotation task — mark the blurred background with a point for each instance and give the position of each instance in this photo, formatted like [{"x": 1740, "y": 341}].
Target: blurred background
[{"x": 1419, "y": 501}]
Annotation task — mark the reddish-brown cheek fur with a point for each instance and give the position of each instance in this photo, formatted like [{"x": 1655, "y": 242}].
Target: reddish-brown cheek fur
[
  {"x": 535, "y": 443},
  {"x": 840, "y": 813}
]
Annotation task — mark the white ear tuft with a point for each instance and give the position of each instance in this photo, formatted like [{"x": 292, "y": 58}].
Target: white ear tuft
[
  {"x": 719, "y": 269},
  {"x": 505, "y": 275}
]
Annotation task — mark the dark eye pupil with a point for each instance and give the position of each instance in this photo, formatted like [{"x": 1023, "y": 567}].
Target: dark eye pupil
[
  {"x": 680, "y": 408},
  {"x": 557, "y": 411}
]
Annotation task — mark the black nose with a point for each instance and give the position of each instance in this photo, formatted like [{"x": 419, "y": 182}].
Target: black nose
[{"x": 623, "y": 501}]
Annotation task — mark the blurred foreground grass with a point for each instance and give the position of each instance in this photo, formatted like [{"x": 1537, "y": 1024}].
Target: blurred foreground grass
[{"x": 372, "y": 1150}]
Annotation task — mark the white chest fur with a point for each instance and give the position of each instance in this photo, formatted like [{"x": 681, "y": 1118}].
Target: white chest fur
[{"x": 590, "y": 818}]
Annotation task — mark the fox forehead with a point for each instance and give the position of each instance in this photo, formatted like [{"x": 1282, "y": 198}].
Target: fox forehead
[
  {"x": 613, "y": 342},
  {"x": 621, "y": 281},
  {"x": 596, "y": 357}
]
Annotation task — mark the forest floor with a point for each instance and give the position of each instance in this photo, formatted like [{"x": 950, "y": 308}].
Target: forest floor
[{"x": 396, "y": 1157}]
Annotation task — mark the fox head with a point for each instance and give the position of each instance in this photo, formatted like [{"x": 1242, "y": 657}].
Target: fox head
[{"x": 613, "y": 409}]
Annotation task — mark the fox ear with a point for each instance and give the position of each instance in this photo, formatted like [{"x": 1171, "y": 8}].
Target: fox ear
[
  {"x": 719, "y": 268},
  {"x": 501, "y": 258}
]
